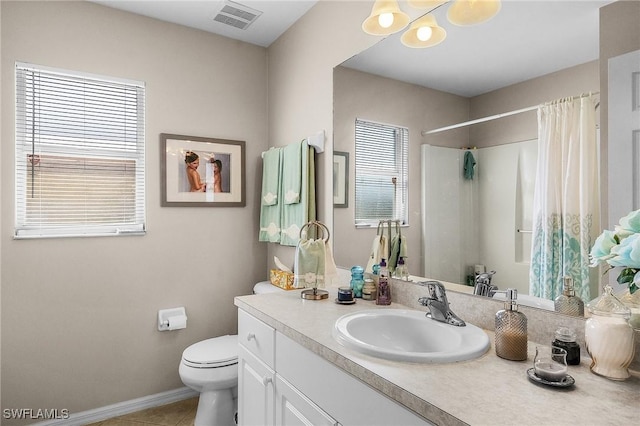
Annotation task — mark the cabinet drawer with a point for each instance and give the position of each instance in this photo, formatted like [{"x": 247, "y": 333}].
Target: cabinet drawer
[{"x": 257, "y": 337}]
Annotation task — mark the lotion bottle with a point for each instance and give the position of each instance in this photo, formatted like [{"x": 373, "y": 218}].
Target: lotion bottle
[{"x": 511, "y": 329}]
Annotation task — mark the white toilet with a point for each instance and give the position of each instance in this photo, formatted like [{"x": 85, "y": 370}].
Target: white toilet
[{"x": 211, "y": 368}]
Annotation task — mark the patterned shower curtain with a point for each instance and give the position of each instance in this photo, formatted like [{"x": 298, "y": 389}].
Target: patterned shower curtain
[{"x": 566, "y": 197}]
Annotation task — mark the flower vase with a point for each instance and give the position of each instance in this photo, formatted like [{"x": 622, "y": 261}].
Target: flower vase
[
  {"x": 609, "y": 337},
  {"x": 632, "y": 301}
]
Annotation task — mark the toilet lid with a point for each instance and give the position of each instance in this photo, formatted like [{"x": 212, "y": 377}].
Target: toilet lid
[
  {"x": 265, "y": 287},
  {"x": 211, "y": 353}
]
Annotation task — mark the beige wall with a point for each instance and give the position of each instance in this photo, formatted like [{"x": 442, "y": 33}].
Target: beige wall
[
  {"x": 300, "y": 86},
  {"x": 79, "y": 315},
  {"x": 572, "y": 81}
]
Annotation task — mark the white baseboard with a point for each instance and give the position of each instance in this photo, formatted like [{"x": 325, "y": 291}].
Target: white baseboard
[{"x": 122, "y": 408}]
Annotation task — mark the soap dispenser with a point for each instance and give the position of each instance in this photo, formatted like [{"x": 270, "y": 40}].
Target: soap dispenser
[
  {"x": 384, "y": 289},
  {"x": 511, "y": 329},
  {"x": 568, "y": 303}
]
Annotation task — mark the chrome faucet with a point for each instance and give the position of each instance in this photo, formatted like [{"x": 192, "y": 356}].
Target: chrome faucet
[
  {"x": 483, "y": 286},
  {"x": 438, "y": 304}
]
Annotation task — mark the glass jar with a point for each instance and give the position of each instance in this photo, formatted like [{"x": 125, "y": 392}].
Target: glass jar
[
  {"x": 369, "y": 289},
  {"x": 632, "y": 301},
  {"x": 565, "y": 338},
  {"x": 357, "y": 280},
  {"x": 609, "y": 337}
]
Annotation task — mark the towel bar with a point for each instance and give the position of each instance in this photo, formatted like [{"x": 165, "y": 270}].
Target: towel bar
[{"x": 316, "y": 142}]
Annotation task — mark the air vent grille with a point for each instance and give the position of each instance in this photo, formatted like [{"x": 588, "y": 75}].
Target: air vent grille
[{"x": 237, "y": 15}]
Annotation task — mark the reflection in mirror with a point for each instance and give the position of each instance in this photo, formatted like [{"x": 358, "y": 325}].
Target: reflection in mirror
[{"x": 366, "y": 87}]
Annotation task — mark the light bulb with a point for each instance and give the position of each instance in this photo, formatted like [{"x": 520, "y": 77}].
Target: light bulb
[
  {"x": 424, "y": 33},
  {"x": 385, "y": 20}
]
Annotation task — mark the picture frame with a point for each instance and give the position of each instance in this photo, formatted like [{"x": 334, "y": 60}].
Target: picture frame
[
  {"x": 340, "y": 179},
  {"x": 202, "y": 172}
]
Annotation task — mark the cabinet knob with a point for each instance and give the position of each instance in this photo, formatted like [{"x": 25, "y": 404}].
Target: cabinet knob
[
  {"x": 266, "y": 380},
  {"x": 251, "y": 336}
]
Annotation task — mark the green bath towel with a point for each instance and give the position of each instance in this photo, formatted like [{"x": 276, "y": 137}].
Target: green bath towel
[
  {"x": 270, "y": 208},
  {"x": 271, "y": 176},
  {"x": 292, "y": 172},
  {"x": 294, "y": 216}
]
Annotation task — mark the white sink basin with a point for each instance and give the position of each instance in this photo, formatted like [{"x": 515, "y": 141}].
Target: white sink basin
[{"x": 406, "y": 335}]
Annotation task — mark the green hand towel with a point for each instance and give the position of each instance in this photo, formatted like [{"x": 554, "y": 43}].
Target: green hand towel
[{"x": 469, "y": 164}]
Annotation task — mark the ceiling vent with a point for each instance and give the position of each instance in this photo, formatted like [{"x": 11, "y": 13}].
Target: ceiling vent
[{"x": 237, "y": 15}]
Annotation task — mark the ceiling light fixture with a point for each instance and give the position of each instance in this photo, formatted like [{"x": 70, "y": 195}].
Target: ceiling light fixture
[
  {"x": 386, "y": 18},
  {"x": 424, "y": 32},
  {"x": 472, "y": 12}
]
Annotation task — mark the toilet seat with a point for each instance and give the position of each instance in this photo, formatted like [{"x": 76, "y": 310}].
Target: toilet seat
[{"x": 212, "y": 353}]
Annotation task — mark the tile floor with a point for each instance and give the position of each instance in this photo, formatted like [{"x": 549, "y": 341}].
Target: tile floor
[{"x": 181, "y": 413}]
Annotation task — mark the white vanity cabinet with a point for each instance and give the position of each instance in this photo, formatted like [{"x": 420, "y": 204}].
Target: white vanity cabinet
[
  {"x": 265, "y": 398},
  {"x": 282, "y": 383},
  {"x": 255, "y": 390}
]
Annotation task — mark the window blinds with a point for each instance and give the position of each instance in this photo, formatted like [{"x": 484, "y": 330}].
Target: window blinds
[
  {"x": 381, "y": 159},
  {"x": 79, "y": 154}
]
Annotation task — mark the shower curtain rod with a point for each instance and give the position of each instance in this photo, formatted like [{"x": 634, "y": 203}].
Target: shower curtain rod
[{"x": 493, "y": 117}]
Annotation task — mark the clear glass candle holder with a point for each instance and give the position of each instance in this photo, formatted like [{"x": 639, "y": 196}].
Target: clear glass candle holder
[{"x": 550, "y": 363}]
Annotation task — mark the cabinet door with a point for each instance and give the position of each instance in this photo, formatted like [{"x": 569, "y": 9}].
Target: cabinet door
[
  {"x": 293, "y": 408},
  {"x": 255, "y": 390}
]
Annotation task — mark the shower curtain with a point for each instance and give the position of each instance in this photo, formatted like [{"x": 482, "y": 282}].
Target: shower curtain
[{"x": 566, "y": 197}]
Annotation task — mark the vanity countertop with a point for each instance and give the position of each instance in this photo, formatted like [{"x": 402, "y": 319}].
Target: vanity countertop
[{"x": 487, "y": 390}]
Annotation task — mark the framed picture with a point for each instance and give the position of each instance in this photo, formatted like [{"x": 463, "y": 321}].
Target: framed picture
[
  {"x": 340, "y": 179},
  {"x": 199, "y": 172}
]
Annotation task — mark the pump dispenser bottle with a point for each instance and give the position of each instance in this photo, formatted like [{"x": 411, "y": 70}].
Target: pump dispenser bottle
[
  {"x": 384, "y": 289},
  {"x": 511, "y": 329},
  {"x": 568, "y": 303}
]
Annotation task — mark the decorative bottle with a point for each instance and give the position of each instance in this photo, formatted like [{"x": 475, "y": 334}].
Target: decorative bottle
[
  {"x": 568, "y": 303},
  {"x": 609, "y": 337},
  {"x": 384, "y": 289},
  {"x": 357, "y": 280},
  {"x": 401, "y": 271},
  {"x": 511, "y": 329}
]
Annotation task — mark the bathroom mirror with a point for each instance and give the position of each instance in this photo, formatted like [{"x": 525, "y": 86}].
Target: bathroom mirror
[{"x": 388, "y": 84}]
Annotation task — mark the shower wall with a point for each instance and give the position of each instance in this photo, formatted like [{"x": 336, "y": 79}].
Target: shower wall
[{"x": 484, "y": 221}]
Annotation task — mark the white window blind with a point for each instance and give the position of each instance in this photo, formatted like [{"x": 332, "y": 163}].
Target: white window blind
[
  {"x": 79, "y": 154},
  {"x": 381, "y": 189}
]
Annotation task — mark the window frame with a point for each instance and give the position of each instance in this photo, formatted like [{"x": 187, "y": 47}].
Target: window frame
[
  {"x": 366, "y": 159},
  {"x": 32, "y": 138}
]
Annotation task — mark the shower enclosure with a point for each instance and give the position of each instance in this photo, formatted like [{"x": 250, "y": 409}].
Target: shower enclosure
[{"x": 483, "y": 221}]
